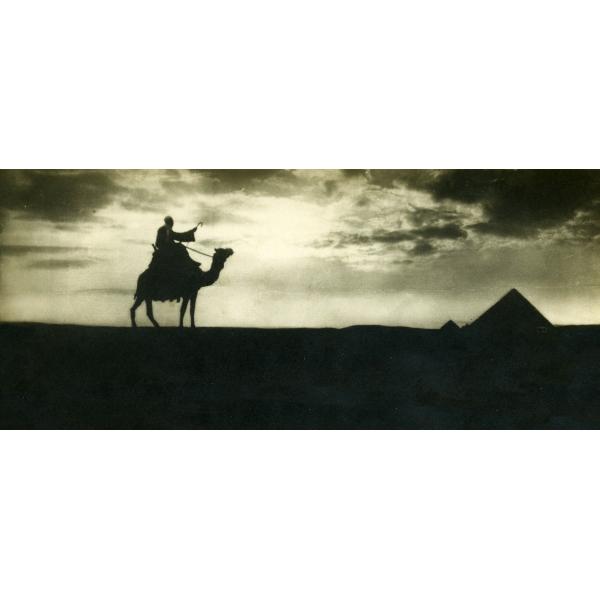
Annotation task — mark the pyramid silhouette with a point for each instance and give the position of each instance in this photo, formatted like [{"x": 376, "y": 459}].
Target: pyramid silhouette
[
  {"x": 512, "y": 313},
  {"x": 449, "y": 326}
]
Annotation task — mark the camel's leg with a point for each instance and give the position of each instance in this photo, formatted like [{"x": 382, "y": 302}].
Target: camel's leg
[
  {"x": 193, "y": 307},
  {"x": 184, "y": 304},
  {"x": 132, "y": 310},
  {"x": 150, "y": 313}
]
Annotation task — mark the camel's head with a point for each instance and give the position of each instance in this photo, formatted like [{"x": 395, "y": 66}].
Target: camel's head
[{"x": 222, "y": 254}]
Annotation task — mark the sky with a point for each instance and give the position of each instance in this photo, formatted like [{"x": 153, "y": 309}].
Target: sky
[{"x": 313, "y": 248}]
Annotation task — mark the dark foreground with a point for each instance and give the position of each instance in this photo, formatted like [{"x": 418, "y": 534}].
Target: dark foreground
[{"x": 360, "y": 377}]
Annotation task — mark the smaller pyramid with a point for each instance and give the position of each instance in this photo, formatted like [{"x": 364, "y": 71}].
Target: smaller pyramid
[
  {"x": 513, "y": 313},
  {"x": 449, "y": 326}
]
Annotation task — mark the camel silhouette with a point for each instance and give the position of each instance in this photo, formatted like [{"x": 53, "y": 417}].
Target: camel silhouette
[{"x": 186, "y": 288}]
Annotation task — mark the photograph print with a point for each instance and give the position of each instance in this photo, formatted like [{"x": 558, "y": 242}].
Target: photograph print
[{"x": 299, "y": 299}]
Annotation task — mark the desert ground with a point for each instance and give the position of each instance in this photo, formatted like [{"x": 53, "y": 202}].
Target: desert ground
[{"x": 364, "y": 377}]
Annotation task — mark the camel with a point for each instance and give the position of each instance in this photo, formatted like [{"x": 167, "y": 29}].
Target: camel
[{"x": 188, "y": 290}]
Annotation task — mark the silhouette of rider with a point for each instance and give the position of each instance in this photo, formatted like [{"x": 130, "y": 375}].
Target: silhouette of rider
[
  {"x": 167, "y": 247},
  {"x": 166, "y": 237}
]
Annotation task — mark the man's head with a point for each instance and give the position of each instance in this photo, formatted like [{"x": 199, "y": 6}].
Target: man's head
[{"x": 169, "y": 222}]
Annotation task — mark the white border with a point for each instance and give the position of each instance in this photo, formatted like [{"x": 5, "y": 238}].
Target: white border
[{"x": 317, "y": 515}]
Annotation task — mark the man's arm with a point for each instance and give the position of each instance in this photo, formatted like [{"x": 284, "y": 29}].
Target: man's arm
[{"x": 185, "y": 236}]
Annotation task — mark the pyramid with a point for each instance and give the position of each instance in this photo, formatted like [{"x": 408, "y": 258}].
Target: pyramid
[
  {"x": 512, "y": 313},
  {"x": 449, "y": 326}
]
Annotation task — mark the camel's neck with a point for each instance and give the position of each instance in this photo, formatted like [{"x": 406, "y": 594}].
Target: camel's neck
[
  {"x": 209, "y": 277},
  {"x": 216, "y": 266}
]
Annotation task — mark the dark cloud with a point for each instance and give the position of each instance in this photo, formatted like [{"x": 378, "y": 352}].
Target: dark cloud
[
  {"x": 339, "y": 239},
  {"x": 362, "y": 201},
  {"x": 330, "y": 186},
  {"x": 77, "y": 227},
  {"x": 56, "y": 195},
  {"x": 21, "y": 250},
  {"x": 450, "y": 231},
  {"x": 514, "y": 203},
  {"x": 420, "y": 179},
  {"x": 218, "y": 181},
  {"x": 422, "y": 238},
  {"x": 584, "y": 230},
  {"x": 342, "y": 239},
  {"x": 505, "y": 229},
  {"x": 420, "y": 216},
  {"x": 239, "y": 178},
  {"x": 353, "y": 172},
  {"x": 391, "y": 237},
  {"x": 113, "y": 291},
  {"x": 422, "y": 248},
  {"x": 517, "y": 203},
  {"x": 60, "y": 263}
]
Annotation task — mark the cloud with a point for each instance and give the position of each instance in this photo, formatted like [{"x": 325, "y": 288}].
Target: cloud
[
  {"x": 504, "y": 229},
  {"x": 508, "y": 203},
  {"x": 584, "y": 230},
  {"x": 450, "y": 231},
  {"x": 515, "y": 203},
  {"x": 330, "y": 186},
  {"x": 353, "y": 172},
  {"x": 342, "y": 239},
  {"x": 236, "y": 179},
  {"x": 57, "y": 195},
  {"x": 60, "y": 263},
  {"x": 219, "y": 181},
  {"x": 420, "y": 216},
  {"x": 420, "y": 179},
  {"x": 20, "y": 250},
  {"x": 73, "y": 227},
  {"x": 69, "y": 198},
  {"x": 394, "y": 237},
  {"x": 422, "y": 248},
  {"x": 113, "y": 291}
]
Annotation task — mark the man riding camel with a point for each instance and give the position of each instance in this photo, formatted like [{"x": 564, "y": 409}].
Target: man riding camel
[{"x": 169, "y": 254}]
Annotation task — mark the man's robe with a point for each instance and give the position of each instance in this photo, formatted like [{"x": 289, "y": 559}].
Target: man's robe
[
  {"x": 171, "y": 265},
  {"x": 170, "y": 257},
  {"x": 166, "y": 238}
]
